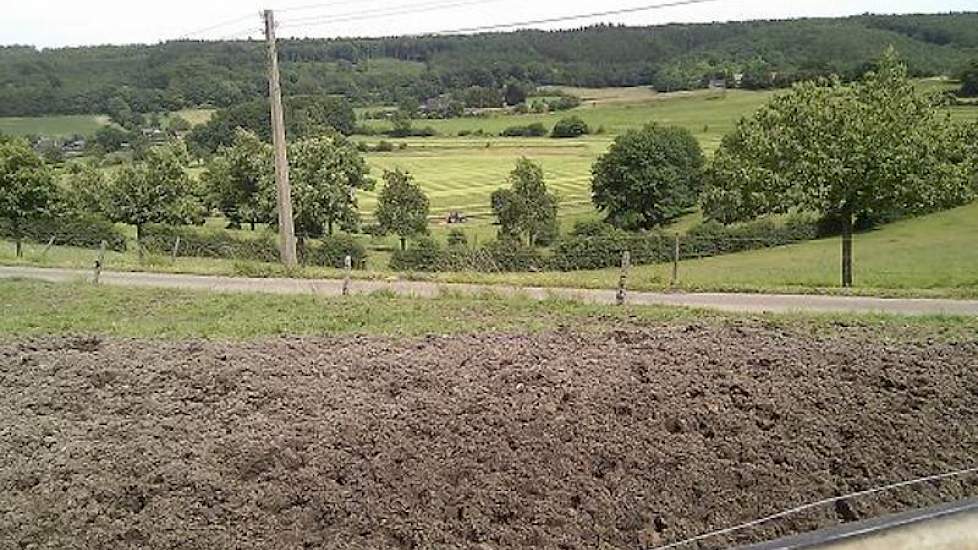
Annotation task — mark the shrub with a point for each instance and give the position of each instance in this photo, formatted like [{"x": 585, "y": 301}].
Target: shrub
[
  {"x": 457, "y": 238},
  {"x": 332, "y": 252},
  {"x": 712, "y": 238},
  {"x": 83, "y": 231},
  {"x": 570, "y": 127},
  {"x": 564, "y": 103},
  {"x": 495, "y": 257},
  {"x": 423, "y": 254},
  {"x": 596, "y": 245},
  {"x": 384, "y": 146},
  {"x": 536, "y": 129},
  {"x": 209, "y": 243}
]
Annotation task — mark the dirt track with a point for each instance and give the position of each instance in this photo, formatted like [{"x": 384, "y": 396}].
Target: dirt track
[{"x": 563, "y": 440}]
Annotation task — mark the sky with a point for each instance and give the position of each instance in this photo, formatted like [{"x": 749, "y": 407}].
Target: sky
[{"x": 58, "y": 23}]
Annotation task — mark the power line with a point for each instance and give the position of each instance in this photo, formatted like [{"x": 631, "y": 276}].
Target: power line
[
  {"x": 215, "y": 27},
  {"x": 322, "y": 5},
  {"x": 573, "y": 17},
  {"x": 379, "y": 13}
]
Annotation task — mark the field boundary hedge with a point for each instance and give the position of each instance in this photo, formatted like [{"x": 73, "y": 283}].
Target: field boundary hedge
[
  {"x": 597, "y": 245},
  {"x": 262, "y": 247},
  {"x": 83, "y": 231}
]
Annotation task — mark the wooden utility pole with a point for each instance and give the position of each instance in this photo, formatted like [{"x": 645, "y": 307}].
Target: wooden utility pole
[{"x": 286, "y": 228}]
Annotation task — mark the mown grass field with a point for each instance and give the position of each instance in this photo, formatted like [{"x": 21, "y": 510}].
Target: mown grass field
[
  {"x": 53, "y": 126},
  {"x": 460, "y": 173},
  {"x": 708, "y": 114}
]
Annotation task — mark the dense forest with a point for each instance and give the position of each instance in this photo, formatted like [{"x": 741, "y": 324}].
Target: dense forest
[{"x": 174, "y": 75}]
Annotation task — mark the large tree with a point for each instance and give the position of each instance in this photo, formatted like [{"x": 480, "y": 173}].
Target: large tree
[
  {"x": 402, "y": 207},
  {"x": 878, "y": 145},
  {"x": 233, "y": 180},
  {"x": 326, "y": 174},
  {"x": 27, "y": 189},
  {"x": 969, "y": 81},
  {"x": 157, "y": 190},
  {"x": 527, "y": 209},
  {"x": 648, "y": 177}
]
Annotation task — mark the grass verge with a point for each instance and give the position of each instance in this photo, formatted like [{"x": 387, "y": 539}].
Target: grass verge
[{"x": 31, "y": 308}]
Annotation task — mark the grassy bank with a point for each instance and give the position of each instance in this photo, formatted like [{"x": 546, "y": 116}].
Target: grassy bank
[{"x": 30, "y": 308}]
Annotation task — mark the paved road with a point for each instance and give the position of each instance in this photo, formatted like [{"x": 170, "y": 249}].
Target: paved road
[{"x": 751, "y": 303}]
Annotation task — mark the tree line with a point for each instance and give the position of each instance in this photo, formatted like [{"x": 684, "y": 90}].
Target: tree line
[{"x": 479, "y": 69}]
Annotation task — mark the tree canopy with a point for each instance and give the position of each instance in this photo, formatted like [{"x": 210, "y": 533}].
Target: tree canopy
[
  {"x": 648, "y": 177},
  {"x": 307, "y": 116},
  {"x": 969, "y": 80},
  {"x": 234, "y": 179},
  {"x": 174, "y": 75},
  {"x": 326, "y": 174},
  {"x": 878, "y": 145},
  {"x": 527, "y": 209},
  {"x": 156, "y": 190},
  {"x": 27, "y": 188},
  {"x": 402, "y": 207}
]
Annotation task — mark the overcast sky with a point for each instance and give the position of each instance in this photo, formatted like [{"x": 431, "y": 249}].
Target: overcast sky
[{"x": 54, "y": 23}]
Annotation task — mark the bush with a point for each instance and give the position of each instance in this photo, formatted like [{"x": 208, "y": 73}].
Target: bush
[
  {"x": 209, "y": 243},
  {"x": 83, "y": 231},
  {"x": 596, "y": 245},
  {"x": 332, "y": 252},
  {"x": 384, "y": 146},
  {"x": 570, "y": 127},
  {"x": 457, "y": 238},
  {"x": 712, "y": 238},
  {"x": 536, "y": 129},
  {"x": 564, "y": 103},
  {"x": 423, "y": 254}
]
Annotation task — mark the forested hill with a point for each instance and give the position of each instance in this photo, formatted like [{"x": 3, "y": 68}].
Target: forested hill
[{"x": 174, "y": 75}]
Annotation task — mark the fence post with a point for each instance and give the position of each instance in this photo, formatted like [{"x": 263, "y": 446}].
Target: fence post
[
  {"x": 176, "y": 248},
  {"x": 675, "y": 263},
  {"x": 48, "y": 246},
  {"x": 626, "y": 262},
  {"x": 99, "y": 261},
  {"x": 347, "y": 268}
]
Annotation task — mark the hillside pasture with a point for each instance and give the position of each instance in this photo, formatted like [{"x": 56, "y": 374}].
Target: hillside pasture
[{"x": 53, "y": 126}]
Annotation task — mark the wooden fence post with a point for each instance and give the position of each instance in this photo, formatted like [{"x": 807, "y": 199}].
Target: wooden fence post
[
  {"x": 626, "y": 262},
  {"x": 347, "y": 268},
  {"x": 48, "y": 246},
  {"x": 176, "y": 248},
  {"x": 99, "y": 261},
  {"x": 675, "y": 263}
]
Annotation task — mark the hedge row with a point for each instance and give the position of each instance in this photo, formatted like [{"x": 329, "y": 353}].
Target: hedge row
[
  {"x": 597, "y": 245},
  {"x": 217, "y": 243},
  {"x": 494, "y": 257},
  {"x": 83, "y": 231},
  {"x": 208, "y": 243}
]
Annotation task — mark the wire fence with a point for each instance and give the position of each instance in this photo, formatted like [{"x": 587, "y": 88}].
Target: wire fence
[{"x": 778, "y": 259}]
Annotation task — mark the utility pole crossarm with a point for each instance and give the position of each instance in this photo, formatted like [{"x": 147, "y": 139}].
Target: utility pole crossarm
[{"x": 282, "y": 186}]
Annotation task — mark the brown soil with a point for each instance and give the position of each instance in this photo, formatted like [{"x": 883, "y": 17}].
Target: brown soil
[{"x": 630, "y": 438}]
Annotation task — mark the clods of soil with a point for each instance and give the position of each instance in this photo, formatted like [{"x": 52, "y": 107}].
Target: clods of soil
[{"x": 631, "y": 438}]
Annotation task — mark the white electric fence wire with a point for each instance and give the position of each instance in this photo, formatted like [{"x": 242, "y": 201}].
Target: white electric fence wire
[{"x": 816, "y": 504}]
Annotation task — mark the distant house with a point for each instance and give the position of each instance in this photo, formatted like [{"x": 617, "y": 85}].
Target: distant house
[
  {"x": 155, "y": 135},
  {"x": 437, "y": 104},
  {"x": 74, "y": 148}
]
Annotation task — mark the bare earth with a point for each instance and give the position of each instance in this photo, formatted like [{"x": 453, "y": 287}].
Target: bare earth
[{"x": 631, "y": 438}]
